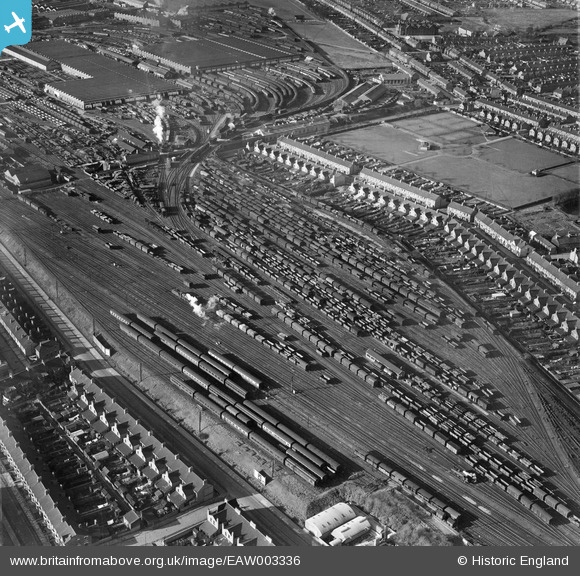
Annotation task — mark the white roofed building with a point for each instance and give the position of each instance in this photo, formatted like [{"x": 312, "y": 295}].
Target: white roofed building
[
  {"x": 350, "y": 531},
  {"x": 326, "y": 521}
]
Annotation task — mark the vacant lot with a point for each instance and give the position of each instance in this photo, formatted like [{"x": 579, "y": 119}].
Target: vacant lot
[
  {"x": 491, "y": 181},
  {"x": 521, "y": 156},
  {"x": 385, "y": 142},
  {"x": 547, "y": 222},
  {"x": 520, "y": 18},
  {"x": 444, "y": 129}
]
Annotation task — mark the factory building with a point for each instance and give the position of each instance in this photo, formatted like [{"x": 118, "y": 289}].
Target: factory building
[
  {"x": 32, "y": 58},
  {"x": 66, "y": 17},
  {"x": 214, "y": 54},
  {"x": 137, "y": 19},
  {"x": 365, "y": 93},
  {"x": 32, "y": 178}
]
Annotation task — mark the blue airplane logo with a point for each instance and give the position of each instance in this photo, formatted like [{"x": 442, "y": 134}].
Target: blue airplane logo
[{"x": 15, "y": 22}]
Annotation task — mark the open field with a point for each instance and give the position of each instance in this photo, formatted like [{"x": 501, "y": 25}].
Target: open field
[
  {"x": 445, "y": 129},
  {"x": 523, "y": 157},
  {"x": 492, "y": 182},
  {"x": 519, "y": 19},
  {"x": 398, "y": 142},
  {"x": 497, "y": 170},
  {"x": 385, "y": 142}
]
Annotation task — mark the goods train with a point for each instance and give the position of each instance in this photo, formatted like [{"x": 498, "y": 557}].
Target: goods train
[
  {"x": 299, "y": 455},
  {"x": 296, "y": 453},
  {"x": 212, "y": 363},
  {"x": 442, "y": 510}
]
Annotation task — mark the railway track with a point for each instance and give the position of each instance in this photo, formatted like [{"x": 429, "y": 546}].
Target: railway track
[{"x": 143, "y": 290}]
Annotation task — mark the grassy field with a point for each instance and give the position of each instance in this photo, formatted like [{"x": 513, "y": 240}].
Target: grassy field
[
  {"x": 521, "y": 156},
  {"x": 399, "y": 142},
  {"x": 444, "y": 129},
  {"x": 497, "y": 170},
  {"x": 491, "y": 181},
  {"x": 519, "y": 19},
  {"x": 385, "y": 142}
]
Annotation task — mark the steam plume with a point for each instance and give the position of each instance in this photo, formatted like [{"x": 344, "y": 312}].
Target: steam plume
[{"x": 158, "y": 124}]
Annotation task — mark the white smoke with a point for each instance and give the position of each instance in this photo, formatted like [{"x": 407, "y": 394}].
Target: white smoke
[
  {"x": 212, "y": 302},
  {"x": 371, "y": 196},
  {"x": 198, "y": 308},
  {"x": 359, "y": 194},
  {"x": 183, "y": 11},
  {"x": 381, "y": 202},
  {"x": 158, "y": 124}
]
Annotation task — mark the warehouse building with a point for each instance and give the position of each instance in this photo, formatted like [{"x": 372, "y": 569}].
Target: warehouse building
[
  {"x": 138, "y": 19},
  {"x": 323, "y": 523},
  {"x": 213, "y": 54},
  {"x": 66, "y": 17},
  {"x": 102, "y": 80},
  {"x": 31, "y": 178},
  {"x": 350, "y": 531},
  {"x": 32, "y": 58},
  {"x": 365, "y": 93}
]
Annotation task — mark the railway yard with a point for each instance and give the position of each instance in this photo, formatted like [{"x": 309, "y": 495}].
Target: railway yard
[
  {"x": 316, "y": 313},
  {"x": 269, "y": 288}
]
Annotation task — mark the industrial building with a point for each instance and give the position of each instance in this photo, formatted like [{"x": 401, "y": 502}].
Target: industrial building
[
  {"x": 213, "y": 54},
  {"x": 323, "y": 523},
  {"x": 32, "y": 58},
  {"x": 99, "y": 80},
  {"x": 32, "y": 178},
  {"x": 350, "y": 531},
  {"x": 138, "y": 19},
  {"x": 365, "y": 93}
]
